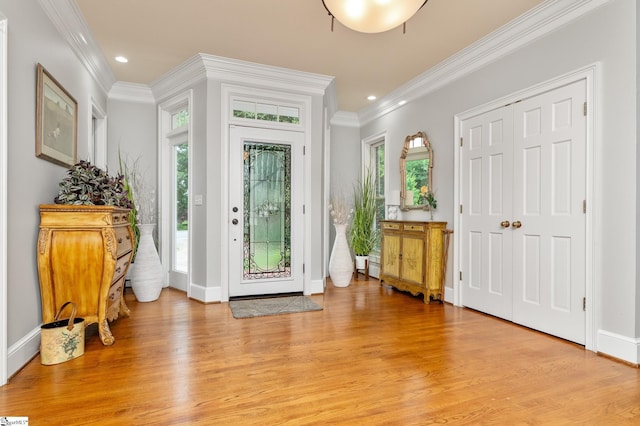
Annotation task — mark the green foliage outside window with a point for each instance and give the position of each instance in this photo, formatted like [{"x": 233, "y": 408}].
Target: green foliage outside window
[{"x": 182, "y": 186}]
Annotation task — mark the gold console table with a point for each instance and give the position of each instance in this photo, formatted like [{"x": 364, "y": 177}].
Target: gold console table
[{"x": 413, "y": 257}]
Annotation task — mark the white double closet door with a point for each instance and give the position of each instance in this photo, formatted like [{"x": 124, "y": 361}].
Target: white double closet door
[{"x": 523, "y": 225}]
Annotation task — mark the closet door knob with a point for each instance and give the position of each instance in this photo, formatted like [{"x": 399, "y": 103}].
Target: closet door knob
[
  {"x": 505, "y": 224},
  {"x": 517, "y": 224}
]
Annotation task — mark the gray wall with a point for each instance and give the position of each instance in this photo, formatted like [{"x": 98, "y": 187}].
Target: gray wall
[
  {"x": 134, "y": 140},
  {"x": 345, "y": 171},
  {"x": 32, "y": 181},
  {"x": 606, "y": 35}
]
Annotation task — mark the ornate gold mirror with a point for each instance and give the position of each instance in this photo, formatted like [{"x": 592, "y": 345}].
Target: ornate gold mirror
[{"x": 416, "y": 163}]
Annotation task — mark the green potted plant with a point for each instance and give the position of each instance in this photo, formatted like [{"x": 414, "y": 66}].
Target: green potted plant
[
  {"x": 431, "y": 201},
  {"x": 86, "y": 184},
  {"x": 362, "y": 234},
  {"x": 129, "y": 172}
]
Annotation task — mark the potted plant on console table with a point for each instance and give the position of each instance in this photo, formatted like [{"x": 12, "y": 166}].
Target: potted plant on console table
[
  {"x": 85, "y": 246},
  {"x": 362, "y": 235}
]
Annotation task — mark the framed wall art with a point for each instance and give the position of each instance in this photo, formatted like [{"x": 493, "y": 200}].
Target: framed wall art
[{"x": 56, "y": 121}]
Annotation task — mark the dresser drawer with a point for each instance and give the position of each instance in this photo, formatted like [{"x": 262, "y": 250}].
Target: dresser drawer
[
  {"x": 391, "y": 226},
  {"x": 113, "y": 299},
  {"x": 411, "y": 227},
  {"x": 121, "y": 267},
  {"x": 124, "y": 240}
]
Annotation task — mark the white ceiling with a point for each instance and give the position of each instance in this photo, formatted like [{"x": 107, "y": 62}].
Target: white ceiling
[{"x": 158, "y": 35}]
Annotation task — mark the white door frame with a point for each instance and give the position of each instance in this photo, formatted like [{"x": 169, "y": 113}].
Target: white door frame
[
  {"x": 590, "y": 74},
  {"x": 304, "y": 103},
  {"x": 97, "y": 135},
  {"x": 365, "y": 147},
  {"x": 165, "y": 181},
  {"x": 4, "y": 355},
  {"x": 177, "y": 279}
]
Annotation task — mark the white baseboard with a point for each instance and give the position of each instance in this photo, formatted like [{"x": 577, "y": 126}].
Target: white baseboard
[
  {"x": 618, "y": 346},
  {"x": 448, "y": 294},
  {"x": 23, "y": 351},
  {"x": 214, "y": 294},
  {"x": 317, "y": 287},
  {"x": 206, "y": 294}
]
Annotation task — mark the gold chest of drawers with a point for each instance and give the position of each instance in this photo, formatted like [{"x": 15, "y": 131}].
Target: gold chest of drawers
[
  {"x": 412, "y": 257},
  {"x": 83, "y": 256}
]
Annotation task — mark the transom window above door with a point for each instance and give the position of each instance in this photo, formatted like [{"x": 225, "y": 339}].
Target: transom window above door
[
  {"x": 262, "y": 110},
  {"x": 180, "y": 118}
]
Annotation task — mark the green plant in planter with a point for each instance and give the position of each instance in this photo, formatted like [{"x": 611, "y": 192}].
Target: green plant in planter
[
  {"x": 133, "y": 213},
  {"x": 86, "y": 184},
  {"x": 362, "y": 234},
  {"x": 431, "y": 202}
]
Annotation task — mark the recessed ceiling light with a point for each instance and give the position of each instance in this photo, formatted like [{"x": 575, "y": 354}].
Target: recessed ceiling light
[
  {"x": 402, "y": 103},
  {"x": 371, "y": 97},
  {"x": 122, "y": 59}
]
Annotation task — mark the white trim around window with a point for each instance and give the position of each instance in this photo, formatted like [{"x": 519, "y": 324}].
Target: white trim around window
[{"x": 366, "y": 146}]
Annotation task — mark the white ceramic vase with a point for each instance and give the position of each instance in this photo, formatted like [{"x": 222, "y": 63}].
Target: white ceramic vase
[
  {"x": 146, "y": 277},
  {"x": 340, "y": 262}
]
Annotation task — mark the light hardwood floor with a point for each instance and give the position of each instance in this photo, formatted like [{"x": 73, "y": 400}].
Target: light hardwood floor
[{"x": 372, "y": 356}]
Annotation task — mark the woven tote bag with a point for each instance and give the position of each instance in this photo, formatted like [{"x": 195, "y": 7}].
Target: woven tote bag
[{"x": 63, "y": 339}]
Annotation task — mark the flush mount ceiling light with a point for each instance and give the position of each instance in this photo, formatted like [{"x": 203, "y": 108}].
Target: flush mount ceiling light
[{"x": 372, "y": 16}]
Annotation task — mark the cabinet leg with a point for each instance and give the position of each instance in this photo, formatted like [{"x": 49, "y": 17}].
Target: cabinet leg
[
  {"x": 124, "y": 309},
  {"x": 105, "y": 333},
  {"x": 434, "y": 298}
]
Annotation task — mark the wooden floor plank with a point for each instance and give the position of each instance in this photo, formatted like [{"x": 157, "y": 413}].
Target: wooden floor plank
[{"x": 371, "y": 356}]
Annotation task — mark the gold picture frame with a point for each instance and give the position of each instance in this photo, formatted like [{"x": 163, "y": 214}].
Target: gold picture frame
[{"x": 56, "y": 121}]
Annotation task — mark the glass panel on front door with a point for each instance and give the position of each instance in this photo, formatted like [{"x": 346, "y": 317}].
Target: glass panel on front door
[
  {"x": 181, "y": 215},
  {"x": 267, "y": 211}
]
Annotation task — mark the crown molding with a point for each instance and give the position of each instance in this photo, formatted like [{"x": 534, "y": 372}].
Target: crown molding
[
  {"x": 204, "y": 66},
  {"x": 345, "y": 119},
  {"x": 179, "y": 79},
  {"x": 68, "y": 20},
  {"x": 131, "y": 92},
  {"x": 530, "y": 26},
  {"x": 238, "y": 71}
]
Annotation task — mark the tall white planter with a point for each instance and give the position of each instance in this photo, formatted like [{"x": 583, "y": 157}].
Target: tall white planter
[
  {"x": 146, "y": 277},
  {"x": 340, "y": 262}
]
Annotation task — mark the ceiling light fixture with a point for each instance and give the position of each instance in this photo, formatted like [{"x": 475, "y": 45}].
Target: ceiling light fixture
[
  {"x": 372, "y": 97},
  {"x": 121, "y": 59},
  {"x": 372, "y": 16}
]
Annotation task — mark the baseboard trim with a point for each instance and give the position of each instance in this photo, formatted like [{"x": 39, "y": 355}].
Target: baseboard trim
[
  {"x": 617, "y": 346},
  {"x": 23, "y": 351},
  {"x": 214, "y": 294},
  {"x": 317, "y": 287},
  {"x": 448, "y": 294},
  {"x": 205, "y": 294}
]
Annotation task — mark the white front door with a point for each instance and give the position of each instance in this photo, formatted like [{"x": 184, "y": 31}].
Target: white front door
[
  {"x": 523, "y": 225},
  {"x": 266, "y": 217}
]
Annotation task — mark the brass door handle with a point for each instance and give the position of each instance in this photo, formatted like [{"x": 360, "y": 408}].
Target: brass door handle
[
  {"x": 505, "y": 224},
  {"x": 517, "y": 224}
]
